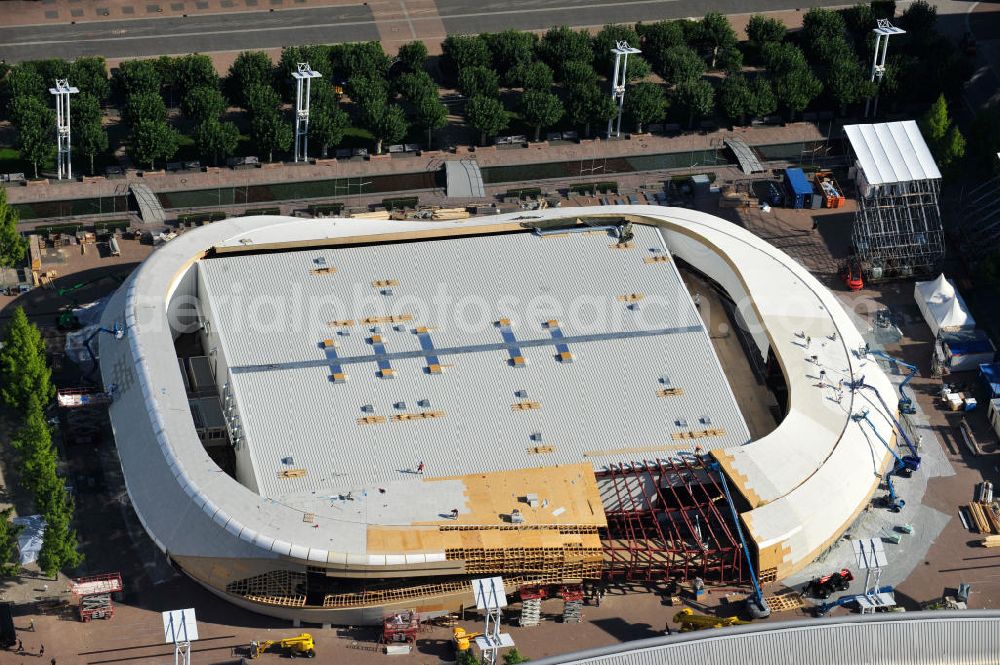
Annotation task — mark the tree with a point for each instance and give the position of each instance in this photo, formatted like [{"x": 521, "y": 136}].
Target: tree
[
  {"x": 511, "y": 49},
  {"x": 430, "y": 114},
  {"x": 658, "y": 37},
  {"x": 764, "y": 102},
  {"x": 151, "y": 140},
  {"x": 364, "y": 59},
  {"x": 8, "y": 542},
  {"x": 952, "y": 148},
  {"x": 216, "y": 139},
  {"x": 535, "y": 76},
  {"x": 478, "y": 81},
  {"x": 794, "y": 84},
  {"x": 389, "y": 126},
  {"x": 270, "y": 132},
  {"x": 697, "y": 98},
  {"x": 262, "y": 99},
  {"x": 730, "y": 60},
  {"x": 762, "y": 30},
  {"x": 578, "y": 73},
  {"x": 637, "y": 69},
  {"x": 145, "y": 106},
  {"x": 820, "y": 24},
  {"x": 327, "y": 126},
  {"x": 34, "y": 121},
  {"x": 90, "y": 75},
  {"x": 13, "y": 246},
  {"x": 59, "y": 543},
  {"x": 88, "y": 129},
  {"x": 935, "y": 122},
  {"x": 23, "y": 80},
  {"x": 736, "y": 98},
  {"x": 33, "y": 443},
  {"x": 415, "y": 86},
  {"x": 645, "y": 103},
  {"x": 541, "y": 109},
  {"x": 487, "y": 115},
  {"x": 461, "y": 51},
  {"x": 513, "y": 657},
  {"x": 413, "y": 56},
  {"x": 203, "y": 103},
  {"x": 194, "y": 71},
  {"x": 847, "y": 83},
  {"x": 607, "y": 39},
  {"x": 681, "y": 64},
  {"x": 588, "y": 104},
  {"x": 919, "y": 21},
  {"x": 318, "y": 56},
  {"x": 370, "y": 96},
  {"x": 561, "y": 45},
  {"x": 24, "y": 374},
  {"x": 251, "y": 68},
  {"x": 138, "y": 76},
  {"x": 715, "y": 34}
]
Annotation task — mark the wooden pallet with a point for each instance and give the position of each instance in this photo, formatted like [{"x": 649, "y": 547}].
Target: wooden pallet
[
  {"x": 623, "y": 245},
  {"x": 525, "y": 406},
  {"x": 398, "y": 318},
  {"x": 423, "y": 415},
  {"x": 662, "y": 258},
  {"x": 670, "y": 392},
  {"x": 371, "y": 420},
  {"x": 538, "y": 450},
  {"x": 322, "y": 271},
  {"x": 341, "y": 323},
  {"x": 382, "y": 283},
  {"x": 698, "y": 434},
  {"x": 292, "y": 473},
  {"x": 784, "y": 602},
  {"x": 631, "y": 297}
]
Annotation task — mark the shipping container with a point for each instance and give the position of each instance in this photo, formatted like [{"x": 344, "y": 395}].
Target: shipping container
[{"x": 798, "y": 189}]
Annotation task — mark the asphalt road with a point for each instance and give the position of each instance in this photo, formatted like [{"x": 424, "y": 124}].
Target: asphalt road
[{"x": 263, "y": 29}]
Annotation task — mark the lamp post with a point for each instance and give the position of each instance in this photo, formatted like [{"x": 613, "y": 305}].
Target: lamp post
[
  {"x": 303, "y": 73},
  {"x": 61, "y": 92},
  {"x": 883, "y": 30},
  {"x": 621, "y": 51}
]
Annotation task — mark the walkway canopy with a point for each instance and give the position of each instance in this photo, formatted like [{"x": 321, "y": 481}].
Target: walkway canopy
[{"x": 465, "y": 181}]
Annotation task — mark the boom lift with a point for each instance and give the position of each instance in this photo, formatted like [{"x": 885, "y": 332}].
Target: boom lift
[
  {"x": 904, "y": 466},
  {"x": 823, "y": 587},
  {"x": 905, "y": 402},
  {"x": 690, "y": 621},
  {"x": 463, "y": 639},
  {"x": 300, "y": 645}
]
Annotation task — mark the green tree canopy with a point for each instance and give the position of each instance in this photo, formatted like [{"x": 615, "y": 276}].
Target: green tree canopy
[
  {"x": 461, "y": 51},
  {"x": 89, "y": 134},
  {"x": 578, "y": 73},
  {"x": 658, "y": 37},
  {"x": 944, "y": 138},
  {"x": 262, "y": 99},
  {"x": 430, "y": 114},
  {"x": 145, "y": 106},
  {"x": 194, "y": 71},
  {"x": 562, "y": 45},
  {"x": 271, "y": 133},
  {"x": 487, "y": 115},
  {"x": 919, "y": 20},
  {"x": 138, "y": 76},
  {"x": 90, "y": 75},
  {"x": 479, "y": 81},
  {"x": 59, "y": 543},
  {"x": 251, "y": 68},
  {"x": 152, "y": 140},
  {"x": 24, "y": 373},
  {"x": 696, "y": 98},
  {"x": 413, "y": 56},
  {"x": 318, "y": 56},
  {"x": 794, "y": 83},
  {"x": 414, "y": 86},
  {"x": 587, "y": 104},
  {"x": 216, "y": 139},
  {"x": 388, "y": 126},
  {"x": 33, "y": 443},
  {"x": 541, "y": 109},
  {"x": 736, "y": 98},
  {"x": 681, "y": 64},
  {"x": 8, "y": 542},
  {"x": 764, "y": 101},
  {"x": 34, "y": 121},
  {"x": 645, "y": 103},
  {"x": 203, "y": 103},
  {"x": 22, "y": 81},
  {"x": 715, "y": 34},
  {"x": 637, "y": 68},
  {"x": 847, "y": 83},
  {"x": 13, "y": 247},
  {"x": 535, "y": 76},
  {"x": 327, "y": 122},
  {"x": 511, "y": 49},
  {"x": 763, "y": 30},
  {"x": 363, "y": 59}
]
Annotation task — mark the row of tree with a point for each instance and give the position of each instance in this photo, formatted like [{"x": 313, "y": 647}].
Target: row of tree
[
  {"x": 701, "y": 68},
  {"x": 26, "y": 389}
]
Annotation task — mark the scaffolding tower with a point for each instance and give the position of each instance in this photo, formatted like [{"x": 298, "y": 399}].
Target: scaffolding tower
[
  {"x": 897, "y": 227},
  {"x": 979, "y": 223}
]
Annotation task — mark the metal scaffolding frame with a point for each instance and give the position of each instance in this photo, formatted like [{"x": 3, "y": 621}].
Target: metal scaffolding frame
[
  {"x": 664, "y": 522},
  {"x": 979, "y": 223},
  {"x": 898, "y": 231}
]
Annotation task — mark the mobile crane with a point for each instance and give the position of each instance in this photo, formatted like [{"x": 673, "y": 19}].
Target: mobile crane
[{"x": 300, "y": 645}]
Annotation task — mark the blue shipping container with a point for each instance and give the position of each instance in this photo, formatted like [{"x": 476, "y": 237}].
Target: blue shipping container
[{"x": 799, "y": 189}]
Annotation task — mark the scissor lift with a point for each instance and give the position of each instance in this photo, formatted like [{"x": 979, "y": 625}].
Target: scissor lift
[{"x": 94, "y": 595}]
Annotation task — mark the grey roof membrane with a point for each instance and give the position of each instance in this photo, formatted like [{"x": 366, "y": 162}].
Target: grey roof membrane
[{"x": 602, "y": 407}]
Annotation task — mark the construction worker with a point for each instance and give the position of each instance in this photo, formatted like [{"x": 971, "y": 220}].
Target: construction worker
[
  {"x": 454, "y": 513},
  {"x": 420, "y": 467}
]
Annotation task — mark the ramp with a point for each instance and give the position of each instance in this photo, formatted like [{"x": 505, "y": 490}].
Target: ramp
[
  {"x": 465, "y": 180},
  {"x": 745, "y": 155},
  {"x": 149, "y": 206}
]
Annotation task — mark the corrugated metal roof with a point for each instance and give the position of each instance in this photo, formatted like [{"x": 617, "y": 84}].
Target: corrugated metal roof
[
  {"x": 915, "y": 638},
  {"x": 605, "y": 400},
  {"x": 892, "y": 152}
]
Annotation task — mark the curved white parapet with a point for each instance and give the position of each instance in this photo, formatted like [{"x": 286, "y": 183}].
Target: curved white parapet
[{"x": 805, "y": 481}]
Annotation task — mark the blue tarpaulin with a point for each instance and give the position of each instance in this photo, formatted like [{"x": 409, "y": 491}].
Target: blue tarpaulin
[{"x": 990, "y": 375}]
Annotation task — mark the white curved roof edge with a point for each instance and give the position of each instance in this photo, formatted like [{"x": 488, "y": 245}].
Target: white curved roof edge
[
  {"x": 773, "y": 468},
  {"x": 903, "y": 637}
]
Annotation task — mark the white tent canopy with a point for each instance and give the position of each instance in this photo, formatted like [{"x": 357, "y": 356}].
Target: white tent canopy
[
  {"x": 942, "y": 306},
  {"x": 29, "y": 541}
]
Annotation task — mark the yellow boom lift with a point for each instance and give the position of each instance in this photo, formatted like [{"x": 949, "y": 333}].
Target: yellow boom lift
[
  {"x": 301, "y": 645},
  {"x": 463, "y": 640},
  {"x": 691, "y": 621}
]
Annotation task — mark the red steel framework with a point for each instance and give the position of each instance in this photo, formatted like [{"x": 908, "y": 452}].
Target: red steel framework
[{"x": 665, "y": 521}]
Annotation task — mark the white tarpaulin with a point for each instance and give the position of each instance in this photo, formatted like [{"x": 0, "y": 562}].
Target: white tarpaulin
[
  {"x": 29, "y": 541},
  {"x": 942, "y": 306}
]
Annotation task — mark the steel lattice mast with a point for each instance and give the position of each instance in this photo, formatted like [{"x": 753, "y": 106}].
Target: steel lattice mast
[
  {"x": 303, "y": 74},
  {"x": 621, "y": 51},
  {"x": 62, "y": 93}
]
